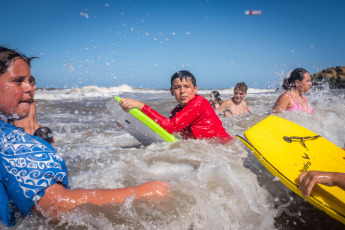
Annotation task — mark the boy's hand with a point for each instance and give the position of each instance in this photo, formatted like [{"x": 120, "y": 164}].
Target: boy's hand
[{"x": 127, "y": 104}]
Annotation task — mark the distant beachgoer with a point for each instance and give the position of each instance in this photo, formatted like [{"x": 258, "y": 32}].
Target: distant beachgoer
[
  {"x": 215, "y": 99},
  {"x": 236, "y": 105},
  {"x": 32, "y": 175},
  {"x": 307, "y": 180},
  {"x": 29, "y": 124},
  {"x": 299, "y": 82},
  {"x": 45, "y": 134},
  {"x": 193, "y": 118}
]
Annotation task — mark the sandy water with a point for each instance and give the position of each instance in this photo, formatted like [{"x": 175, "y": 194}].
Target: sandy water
[{"x": 212, "y": 186}]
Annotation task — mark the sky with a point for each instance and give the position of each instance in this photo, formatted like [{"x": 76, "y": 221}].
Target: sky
[{"x": 141, "y": 43}]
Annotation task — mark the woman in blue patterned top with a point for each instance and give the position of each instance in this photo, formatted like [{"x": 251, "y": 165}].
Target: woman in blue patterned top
[{"x": 32, "y": 175}]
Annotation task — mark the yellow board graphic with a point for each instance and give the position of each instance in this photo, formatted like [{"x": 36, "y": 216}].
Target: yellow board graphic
[{"x": 287, "y": 149}]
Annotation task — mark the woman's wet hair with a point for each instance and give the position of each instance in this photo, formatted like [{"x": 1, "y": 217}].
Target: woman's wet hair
[
  {"x": 183, "y": 74},
  {"x": 296, "y": 74},
  {"x": 216, "y": 95},
  {"x": 6, "y": 57}
]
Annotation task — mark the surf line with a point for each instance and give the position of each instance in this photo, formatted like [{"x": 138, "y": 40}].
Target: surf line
[{"x": 305, "y": 167}]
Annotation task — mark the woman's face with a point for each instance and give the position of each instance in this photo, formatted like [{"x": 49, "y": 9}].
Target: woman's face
[
  {"x": 184, "y": 90},
  {"x": 16, "y": 92},
  {"x": 305, "y": 84}
]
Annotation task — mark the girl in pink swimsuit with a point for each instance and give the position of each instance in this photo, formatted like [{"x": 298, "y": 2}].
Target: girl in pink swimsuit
[{"x": 299, "y": 82}]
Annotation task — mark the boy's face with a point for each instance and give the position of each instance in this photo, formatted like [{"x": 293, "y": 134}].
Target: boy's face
[
  {"x": 239, "y": 95},
  {"x": 184, "y": 90},
  {"x": 16, "y": 92}
]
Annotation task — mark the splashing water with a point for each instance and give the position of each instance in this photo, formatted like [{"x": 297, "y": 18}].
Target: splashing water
[{"x": 212, "y": 186}]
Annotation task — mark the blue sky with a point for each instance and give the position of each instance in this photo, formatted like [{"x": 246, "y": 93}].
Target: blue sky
[{"x": 142, "y": 43}]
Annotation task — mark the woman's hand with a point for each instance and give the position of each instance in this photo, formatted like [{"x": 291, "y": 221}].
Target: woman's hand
[
  {"x": 127, "y": 104},
  {"x": 307, "y": 180}
]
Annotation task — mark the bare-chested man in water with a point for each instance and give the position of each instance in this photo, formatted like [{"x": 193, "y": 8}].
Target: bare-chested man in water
[{"x": 235, "y": 105}]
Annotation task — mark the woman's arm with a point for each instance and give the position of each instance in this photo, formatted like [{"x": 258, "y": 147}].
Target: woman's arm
[
  {"x": 57, "y": 199},
  {"x": 307, "y": 180}
]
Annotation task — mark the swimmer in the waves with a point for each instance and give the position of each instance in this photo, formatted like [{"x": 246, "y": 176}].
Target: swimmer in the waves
[
  {"x": 193, "y": 117},
  {"x": 32, "y": 175},
  {"x": 299, "y": 82}
]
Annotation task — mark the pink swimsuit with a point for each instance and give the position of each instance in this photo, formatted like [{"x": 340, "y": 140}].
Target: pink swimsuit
[{"x": 298, "y": 107}]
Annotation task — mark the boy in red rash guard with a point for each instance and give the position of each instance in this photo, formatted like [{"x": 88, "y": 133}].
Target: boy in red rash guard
[{"x": 193, "y": 118}]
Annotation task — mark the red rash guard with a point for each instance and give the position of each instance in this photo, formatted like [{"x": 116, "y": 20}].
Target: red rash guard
[{"x": 196, "y": 120}]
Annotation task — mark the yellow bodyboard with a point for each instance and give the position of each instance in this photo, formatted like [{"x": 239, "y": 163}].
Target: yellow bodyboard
[{"x": 287, "y": 149}]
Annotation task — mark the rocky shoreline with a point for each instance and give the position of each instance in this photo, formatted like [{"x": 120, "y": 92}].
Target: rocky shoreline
[{"x": 334, "y": 76}]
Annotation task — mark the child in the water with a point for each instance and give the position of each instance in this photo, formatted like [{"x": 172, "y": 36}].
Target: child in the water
[
  {"x": 32, "y": 175},
  {"x": 236, "y": 105},
  {"x": 215, "y": 99},
  {"x": 193, "y": 117}
]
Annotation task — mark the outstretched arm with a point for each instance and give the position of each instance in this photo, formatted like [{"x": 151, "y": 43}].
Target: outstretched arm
[
  {"x": 307, "y": 180},
  {"x": 57, "y": 199}
]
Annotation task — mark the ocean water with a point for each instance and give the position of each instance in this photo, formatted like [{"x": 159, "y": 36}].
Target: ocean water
[{"x": 212, "y": 186}]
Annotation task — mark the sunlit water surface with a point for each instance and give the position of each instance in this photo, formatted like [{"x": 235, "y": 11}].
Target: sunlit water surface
[{"x": 212, "y": 186}]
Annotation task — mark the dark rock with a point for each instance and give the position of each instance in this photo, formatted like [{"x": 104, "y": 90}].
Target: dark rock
[{"x": 334, "y": 76}]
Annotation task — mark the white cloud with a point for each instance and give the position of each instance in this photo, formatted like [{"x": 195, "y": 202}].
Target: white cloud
[{"x": 86, "y": 15}]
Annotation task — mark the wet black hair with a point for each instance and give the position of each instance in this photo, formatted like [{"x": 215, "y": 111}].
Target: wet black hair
[
  {"x": 296, "y": 74},
  {"x": 7, "y": 55},
  {"x": 44, "y": 133},
  {"x": 183, "y": 74},
  {"x": 216, "y": 96}
]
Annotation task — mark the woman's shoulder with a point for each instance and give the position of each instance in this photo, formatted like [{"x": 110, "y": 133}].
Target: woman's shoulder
[{"x": 285, "y": 96}]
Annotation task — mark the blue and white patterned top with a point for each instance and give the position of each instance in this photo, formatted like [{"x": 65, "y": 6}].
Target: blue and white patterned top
[{"x": 28, "y": 165}]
